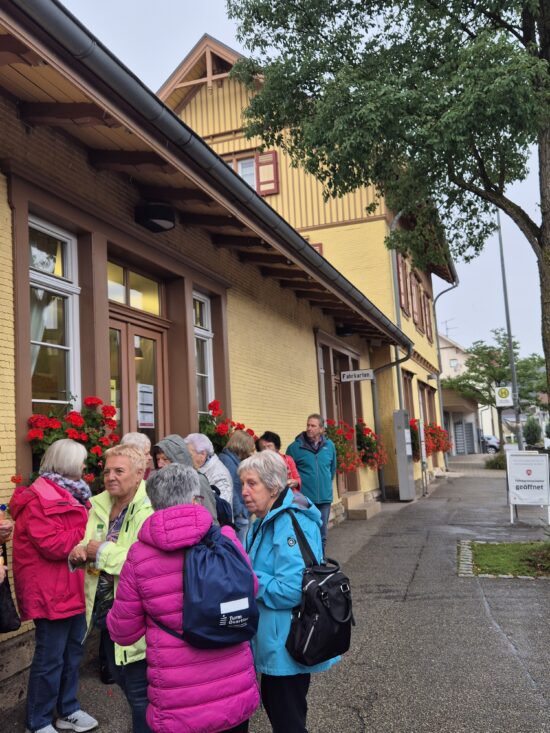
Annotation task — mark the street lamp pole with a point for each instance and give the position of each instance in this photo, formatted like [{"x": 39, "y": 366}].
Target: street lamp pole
[{"x": 515, "y": 392}]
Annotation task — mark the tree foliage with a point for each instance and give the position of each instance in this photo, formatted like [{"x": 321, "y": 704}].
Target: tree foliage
[
  {"x": 436, "y": 103},
  {"x": 489, "y": 364},
  {"x": 532, "y": 431}
]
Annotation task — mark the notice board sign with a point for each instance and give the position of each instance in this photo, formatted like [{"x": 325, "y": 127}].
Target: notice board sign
[{"x": 528, "y": 481}]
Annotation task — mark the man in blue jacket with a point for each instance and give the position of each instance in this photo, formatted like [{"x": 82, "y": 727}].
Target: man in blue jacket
[{"x": 315, "y": 458}]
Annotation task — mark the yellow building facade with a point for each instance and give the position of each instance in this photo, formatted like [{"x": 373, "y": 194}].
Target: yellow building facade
[{"x": 204, "y": 95}]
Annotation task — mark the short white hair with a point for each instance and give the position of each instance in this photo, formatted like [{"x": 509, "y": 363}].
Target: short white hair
[
  {"x": 201, "y": 443},
  {"x": 64, "y": 457},
  {"x": 270, "y": 467},
  {"x": 140, "y": 440}
]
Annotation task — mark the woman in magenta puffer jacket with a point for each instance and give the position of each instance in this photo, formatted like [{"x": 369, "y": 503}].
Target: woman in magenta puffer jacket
[{"x": 190, "y": 690}]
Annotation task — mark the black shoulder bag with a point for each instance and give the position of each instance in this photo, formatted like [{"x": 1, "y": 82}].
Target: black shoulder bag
[
  {"x": 321, "y": 625},
  {"x": 9, "y": 620}
]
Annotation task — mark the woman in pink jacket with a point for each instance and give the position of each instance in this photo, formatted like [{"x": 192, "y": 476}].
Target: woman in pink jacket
[
  {"x": 50, "y": 519},
  {"x": 190, "y": 690}
]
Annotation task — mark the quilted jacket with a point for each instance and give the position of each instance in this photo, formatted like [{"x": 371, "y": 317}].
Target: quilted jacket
[{"x": 190, "y": 690}]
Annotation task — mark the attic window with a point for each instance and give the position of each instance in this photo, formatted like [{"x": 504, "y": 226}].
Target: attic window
[{"x": 259, "y": 170}]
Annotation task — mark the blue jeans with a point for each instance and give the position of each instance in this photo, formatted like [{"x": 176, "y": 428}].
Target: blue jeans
[
  {"x": 132, "y": 678},
  {"x": 325, "y": 514},
  {"x": 53, "y": 679}
]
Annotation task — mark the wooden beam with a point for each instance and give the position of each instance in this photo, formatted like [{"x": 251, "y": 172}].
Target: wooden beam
[
  {"x": 202, "y": 80},
  {"x": 286, "y": 272},
  {"x": 206, "y": 220},
  {"x": 263, "y": 258},
  {"x": 303, "y": 285},
  {"x": 14, "y": 51},
  {"x": 174, "y": 193},
  {"x": 56, "y": 113},
  {"x": 223, "y": 240},
  {"x": 121, "y": 160}
]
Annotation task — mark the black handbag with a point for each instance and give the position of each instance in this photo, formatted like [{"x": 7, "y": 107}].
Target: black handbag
[
  {"x": 321, "y": 625},
  {"x": 9, "y": 618}
]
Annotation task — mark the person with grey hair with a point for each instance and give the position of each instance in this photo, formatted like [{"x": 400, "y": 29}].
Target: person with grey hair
[
  {"x": 51, "y": 517},
  {"x": 277, "y": 561},
  {"x": 190, "y": 689},
  {"x": 315, "y": 457},
  {"x": 207, "y": 462}
]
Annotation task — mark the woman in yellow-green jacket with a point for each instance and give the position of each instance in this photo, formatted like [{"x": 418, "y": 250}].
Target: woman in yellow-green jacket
[{"x": 113, "y": 525}]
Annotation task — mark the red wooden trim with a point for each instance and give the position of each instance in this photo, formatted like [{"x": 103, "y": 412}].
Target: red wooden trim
[{"x": 267, "y": 173}]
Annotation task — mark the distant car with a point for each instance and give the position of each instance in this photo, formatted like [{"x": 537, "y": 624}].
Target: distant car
[{"x": 491, "y": 444}]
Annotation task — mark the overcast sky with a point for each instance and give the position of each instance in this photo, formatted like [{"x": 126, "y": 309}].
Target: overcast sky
[{"x": 152, "y": 39}]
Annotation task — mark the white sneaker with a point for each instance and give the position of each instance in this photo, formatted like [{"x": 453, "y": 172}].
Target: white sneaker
[
  {"x": 78, "y": 721},
  {"x": 47, "y": 729}
]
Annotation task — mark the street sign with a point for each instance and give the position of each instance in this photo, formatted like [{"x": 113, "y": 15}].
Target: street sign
[
  {"x": 503, "y": 396},
  {"x": 357, "y": 376},
  {"x": 528, "y": 481}
]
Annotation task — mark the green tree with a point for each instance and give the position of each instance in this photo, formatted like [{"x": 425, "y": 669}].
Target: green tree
[
  {"x": 488, "y": 364},
  {"x": 547, "y": 430},
  {"x": 532, "y": 431},
  {"x": 437, "y": 103}
]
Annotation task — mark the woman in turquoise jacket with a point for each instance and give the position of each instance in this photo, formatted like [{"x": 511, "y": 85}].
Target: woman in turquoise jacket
[{"x": 278, "y": 564}]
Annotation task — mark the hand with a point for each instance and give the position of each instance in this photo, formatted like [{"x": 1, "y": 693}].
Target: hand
[
  {"x": 293, "y": 483},
  {"x": 3, "y": 569},
  {"x": 6, "y": 528},
  {"x": 78, "y": 555},
  {"x": 91, "y": 549}
]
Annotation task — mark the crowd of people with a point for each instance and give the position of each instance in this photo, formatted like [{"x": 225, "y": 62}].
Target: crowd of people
[{"x": 113, "y": 562}]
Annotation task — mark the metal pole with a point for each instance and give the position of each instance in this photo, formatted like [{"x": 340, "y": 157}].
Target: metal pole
[{"x": 515, "y": 393}]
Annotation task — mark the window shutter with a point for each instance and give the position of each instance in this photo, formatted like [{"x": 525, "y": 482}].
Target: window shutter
[
  {"x": 414, "y": 297},
  {"x": 428, "y": 318},
  {"x": 267, "y": 173},
  {"x": 403, "y": 285}
]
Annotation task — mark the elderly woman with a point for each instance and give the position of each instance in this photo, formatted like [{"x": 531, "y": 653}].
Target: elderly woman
[
  {"x": 239, "y": 446},
  {"x": 173, "y": 449},
  {"x": 141, "y": 441},
  {"x": 271, "y": 441},
  {"x": 207, "y": 462},
  {"x": 50, "y": 519},
  {"x": 115, "y": 520},
  {"x": 191, "y": 690},
  {"x": 278, "y": 564}
]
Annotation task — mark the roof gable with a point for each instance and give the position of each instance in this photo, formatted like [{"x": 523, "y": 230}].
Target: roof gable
[{"x": 209, "y": 61}]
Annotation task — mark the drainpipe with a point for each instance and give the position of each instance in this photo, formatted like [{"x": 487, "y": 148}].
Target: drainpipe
[
  {"x": 439, "y": 364},
  {"x": 397, "y": 305},
  {"x": 376, "y": 410}
]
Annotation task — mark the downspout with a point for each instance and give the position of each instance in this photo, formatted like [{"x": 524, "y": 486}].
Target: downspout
[
  {"x": 439, "y": 363},
  {"x": 376, "y": 409},
  {"x": 397, "y": 305}
]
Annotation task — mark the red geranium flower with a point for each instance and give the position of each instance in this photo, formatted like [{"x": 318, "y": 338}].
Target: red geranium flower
[
  {"x": 114, "y": 438},
  {"x": 111, "y": 424},
  {"x": 39, "y": 421},
  {"x": 92, "y": 401},
  {"x": 105, "y": 441},
  {"x": 35, "y": 434},
  {"x": 17, "y": 479},
  {"x": 250, "y": 432},
  {"x": 108, "y": 410},
  {"x": 339, "y": 431},
  {"x": 97, "y": 450},
  {"x": 88, "y": 477},
  {"x": 216, "y": 413},
  {"x": 72, "y": 434},
  {"x": 84, "y": 437},
  {"x": 214, "y": 405},
  {"x": 222, "y": 429},
  {"x": 75, "y": 419}
]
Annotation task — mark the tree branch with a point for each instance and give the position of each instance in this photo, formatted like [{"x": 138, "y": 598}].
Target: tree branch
[
  {"x": 442, "y": 9},
  {"x": 499, "y": 22}
]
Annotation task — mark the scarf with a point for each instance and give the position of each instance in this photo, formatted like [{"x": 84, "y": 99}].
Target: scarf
[{"x": 78, "y": 489}]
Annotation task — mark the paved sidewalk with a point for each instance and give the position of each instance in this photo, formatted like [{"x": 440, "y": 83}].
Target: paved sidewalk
[{"x": 432, "y": 652}]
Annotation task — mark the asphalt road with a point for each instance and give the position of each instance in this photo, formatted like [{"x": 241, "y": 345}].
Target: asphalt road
[{"x": 432, "y": 652}]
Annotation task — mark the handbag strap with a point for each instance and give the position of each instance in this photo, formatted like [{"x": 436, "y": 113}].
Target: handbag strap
[{"x": 307, "y": 553}]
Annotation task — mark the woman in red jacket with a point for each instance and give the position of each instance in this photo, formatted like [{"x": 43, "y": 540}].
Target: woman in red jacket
[{"x": 50, "y": 519}]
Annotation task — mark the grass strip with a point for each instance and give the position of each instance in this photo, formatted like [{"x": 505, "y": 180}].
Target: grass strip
[{"x": 511, "y": 558}]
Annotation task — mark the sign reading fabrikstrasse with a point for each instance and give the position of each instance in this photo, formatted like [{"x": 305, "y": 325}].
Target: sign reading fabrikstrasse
[{"x": 528, "y": 481}]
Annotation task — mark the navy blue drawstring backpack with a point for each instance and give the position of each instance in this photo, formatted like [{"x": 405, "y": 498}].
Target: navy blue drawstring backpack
[{"x": 219, "y": 608}]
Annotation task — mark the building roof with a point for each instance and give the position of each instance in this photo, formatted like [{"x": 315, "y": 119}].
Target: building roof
[{"x": 62, "y": 76}]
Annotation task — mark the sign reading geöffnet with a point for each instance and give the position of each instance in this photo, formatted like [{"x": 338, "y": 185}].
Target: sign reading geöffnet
[
  {"x": 503, "y": 396},
  {"x": 528, "y": 482}
]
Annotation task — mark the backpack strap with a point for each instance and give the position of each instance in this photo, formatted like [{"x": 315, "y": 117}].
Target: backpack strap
[{"x": 307, "y": 553}]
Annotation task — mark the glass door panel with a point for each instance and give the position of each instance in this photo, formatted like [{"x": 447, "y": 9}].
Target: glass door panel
[
  {"x": 116, "y": 343},
  {"x": 146, "y": 380}
]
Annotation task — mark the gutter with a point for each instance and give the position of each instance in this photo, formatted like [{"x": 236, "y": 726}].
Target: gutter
[{"x": 64, "y": 29}]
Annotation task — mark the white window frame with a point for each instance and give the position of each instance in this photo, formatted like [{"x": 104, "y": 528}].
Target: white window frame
[
  {"x": 207, "y": 335},
  {"x": 239, "y": 162},
  {"x": 68, "y": 288}
]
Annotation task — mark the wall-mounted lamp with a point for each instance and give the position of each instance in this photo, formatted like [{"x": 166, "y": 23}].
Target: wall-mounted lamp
[
  {"x": 156, "y": 217},
  {"x": 432, "y": 376}
]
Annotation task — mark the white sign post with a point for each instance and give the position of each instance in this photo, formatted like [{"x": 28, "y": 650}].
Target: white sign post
[
  {"x": 503, "y": 396},
  {"x": 357, "y": 376},
  {"x": 528, "y": 482}
]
